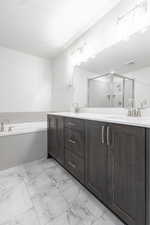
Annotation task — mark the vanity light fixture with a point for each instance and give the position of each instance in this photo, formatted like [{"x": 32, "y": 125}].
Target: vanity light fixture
[
  {"x": 134, "y": 20},
  {"x": 82, "y": 53},
  {"x": 142, "y": 4}
]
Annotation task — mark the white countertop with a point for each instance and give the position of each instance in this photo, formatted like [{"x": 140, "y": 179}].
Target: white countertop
[{"x": 110, "y": 118}]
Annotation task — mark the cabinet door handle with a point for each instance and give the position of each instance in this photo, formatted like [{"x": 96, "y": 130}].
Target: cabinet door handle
[
  {"x": 103, "y": 135},
  {"x": 72, "y": 141},
  {"x": 72, "y": 164},
  {"x": 108, "y": 136}
]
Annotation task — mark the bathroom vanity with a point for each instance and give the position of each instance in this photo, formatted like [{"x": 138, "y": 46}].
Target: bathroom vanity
[{"x": 111, "y": 159}]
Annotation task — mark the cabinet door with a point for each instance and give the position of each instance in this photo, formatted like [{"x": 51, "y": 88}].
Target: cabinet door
[
  {"x": 127, "y": 152},
  {"x": 56, "y": 138},
  {"x": 96, "y": 158},
  {"x": 60, "y": 140},
  {"x": 52, "y": 136}
]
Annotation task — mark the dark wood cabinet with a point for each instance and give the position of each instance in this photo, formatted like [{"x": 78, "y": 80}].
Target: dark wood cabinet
[
  {"x": 127, "y": 168},
  {"x": 56, "y": 138},
  {"x": 75, "y": 165},
  {"x": 75, "y": 124},
  {"x": 111, "y": 160},
  {"x": 115, "y": 168},
  {"x": 74, "y": 141},
  {"x": 75, "y": 147},
  {"x": 96, "y": 158}
]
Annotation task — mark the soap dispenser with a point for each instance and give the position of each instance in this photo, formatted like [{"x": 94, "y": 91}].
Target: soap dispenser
[{"x": 75, "y": 107}]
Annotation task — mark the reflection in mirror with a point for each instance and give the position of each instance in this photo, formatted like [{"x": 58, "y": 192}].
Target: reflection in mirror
[
  {"x": 129, "y": 83},
  {"x": 110, "y": 90}
]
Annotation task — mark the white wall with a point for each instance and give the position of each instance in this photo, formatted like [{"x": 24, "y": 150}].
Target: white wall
[
  {"x": 142, "y": 85},
  {"x": 80, "y": 86},
  {"x": 25, "y": 82},
  {"x": 102, "y": 35},
  {"x": 62, "y": 94}
]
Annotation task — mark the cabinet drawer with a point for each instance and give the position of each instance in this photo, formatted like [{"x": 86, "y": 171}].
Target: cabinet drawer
[
  {"x": 74, "y": 123},
  {"x": 75, "y": 165},
  {"x": 74, "y": 141}
]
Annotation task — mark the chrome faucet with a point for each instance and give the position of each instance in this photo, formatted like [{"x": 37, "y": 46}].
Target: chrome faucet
[
  {"x": 2, "y": 125},
  {"x": 135, "y": 112},
  {"x": 135, "y": 109}
]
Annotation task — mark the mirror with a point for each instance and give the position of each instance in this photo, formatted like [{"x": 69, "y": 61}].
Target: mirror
[
  {"x": 110, "y": 90},
  {"x": 118, "y": 76}
]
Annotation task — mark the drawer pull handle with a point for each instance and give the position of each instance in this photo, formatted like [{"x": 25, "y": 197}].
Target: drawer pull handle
[
  {"x": 103, "y": 138},
  {"x": 72, "y": 141},
  {"x": 72, "y": 165},
  {"x": 108, "y": 136}
]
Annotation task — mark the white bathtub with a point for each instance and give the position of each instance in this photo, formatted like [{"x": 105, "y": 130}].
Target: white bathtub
[
  {"x": 24, "y": 143},
  {"x": 23, "y": 128}
]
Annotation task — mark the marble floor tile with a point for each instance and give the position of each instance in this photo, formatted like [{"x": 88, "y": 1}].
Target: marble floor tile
[
  {"x": 70, "y": 189},
  {"x": 102, "y": 221},
  {"x": 110, "y": 219},
  {"x": 71, "y": 218},
  {"x": 48, "y": 163},
  {"x": 49, "y": 205},
  {"x": 87, "y": 200},
  {"x": 15, "y": 173},
  {"x": 27, "y": 218},
  {"x": 58, "y": 174},
  {"x": 43, "y": 193},
  {"x": 38, "y": 184},
  {"x": 37, "y": 180},
  {"x": 14, "y": 200},
  {"x": 33, "y": 169}
]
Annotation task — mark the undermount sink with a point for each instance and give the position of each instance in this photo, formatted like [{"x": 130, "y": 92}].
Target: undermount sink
[{"x": 118, "y": 117}]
